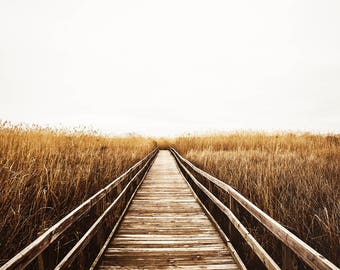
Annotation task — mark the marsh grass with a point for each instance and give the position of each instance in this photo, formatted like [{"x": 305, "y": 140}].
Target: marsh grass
[
  {"x": 46, "y": 173},
  {"x": 295, "y": 178}
]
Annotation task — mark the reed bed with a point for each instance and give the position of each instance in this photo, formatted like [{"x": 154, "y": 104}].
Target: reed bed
[
  {"x": 295, "y": 178},
  {"x": 46, "y": 173}
]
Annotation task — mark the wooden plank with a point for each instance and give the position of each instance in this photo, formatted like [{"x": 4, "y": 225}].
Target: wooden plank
[
  {"x": 158, "y": 267},
  {"x": 234, "y": 253},
  {"x": 300, "y": 248},
  {"x": 251, "y": 241},
  {"x": 165, "y": 227},
  {"x": 29, "y": 253},
  {"x": 86, "y": 238},
  {"x": 113, "y": 231}
]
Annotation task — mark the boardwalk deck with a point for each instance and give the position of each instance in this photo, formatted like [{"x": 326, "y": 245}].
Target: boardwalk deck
[
  {"x": 170, "y": 224},
  {"x": 166, "y": 228}
]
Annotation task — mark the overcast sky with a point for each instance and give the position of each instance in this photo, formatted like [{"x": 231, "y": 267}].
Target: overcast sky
[{"x": 169, "y": 67}]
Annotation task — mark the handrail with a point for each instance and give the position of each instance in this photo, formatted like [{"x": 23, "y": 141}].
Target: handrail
[
  {"x": 300, "y": 248},
  {"x": 113, "y": 231},
  {"x": 251, "y": 241},
  {"x": 80, "y": 245},
  {"x": 33, "y": 250}
]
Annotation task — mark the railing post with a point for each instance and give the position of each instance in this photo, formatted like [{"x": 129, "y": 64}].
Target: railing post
[
  {"x": 119, "y": 188},
  {"x": 40, "y": 261},
  {"x": 82, "y": 262},
  {"x": 43, "y": 259},
  {"x": 229, "y": 225},
  {"x": 288, "y": 258},
  {"x": 233, "y": 233},
  {"x": 101, "y": 233}
]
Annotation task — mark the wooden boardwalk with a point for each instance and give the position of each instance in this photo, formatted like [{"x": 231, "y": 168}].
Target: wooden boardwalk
[
  {"x": 177, "y": 218},
  {"x": 166, "y": 228}
]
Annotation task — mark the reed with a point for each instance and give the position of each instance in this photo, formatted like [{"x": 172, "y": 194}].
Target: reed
[
  {"x": 292, "y": 177},
  {"x": 46, "y": 173}
]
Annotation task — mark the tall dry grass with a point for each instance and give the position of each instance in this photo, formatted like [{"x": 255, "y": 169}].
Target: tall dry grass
[
  {"x": 295, "y": 178},
  {"x": 44, "y": 174}
]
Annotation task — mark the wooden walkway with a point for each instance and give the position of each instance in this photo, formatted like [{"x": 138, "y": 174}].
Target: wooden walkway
[
  {"x": 166, "y": 228},
  {"x": 160, "y": 216}
]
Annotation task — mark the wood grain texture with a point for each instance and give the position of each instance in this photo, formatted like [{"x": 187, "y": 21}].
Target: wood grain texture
[
  {"x": 165, "y": 227},
  {"x": 37, "y": 247},
  {"x": 306, "y": 253}
]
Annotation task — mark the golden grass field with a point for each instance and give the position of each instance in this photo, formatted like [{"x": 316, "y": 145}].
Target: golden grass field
[
  {"x": 295, "y": 178},
  {"x": 44, "y": 174}
]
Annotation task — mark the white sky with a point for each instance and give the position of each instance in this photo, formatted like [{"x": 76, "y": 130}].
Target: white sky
[{"x": 169, "y": 67}]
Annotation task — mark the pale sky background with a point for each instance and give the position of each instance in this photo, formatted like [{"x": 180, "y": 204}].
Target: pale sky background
[{"x": 169, "y": 67}]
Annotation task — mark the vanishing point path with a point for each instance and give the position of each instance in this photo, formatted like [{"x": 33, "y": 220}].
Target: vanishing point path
[
  {"x": 167, "y": 221},
  {"x": 166, "y": 228}
]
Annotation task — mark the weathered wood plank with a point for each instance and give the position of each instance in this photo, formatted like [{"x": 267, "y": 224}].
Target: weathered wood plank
[
  {"x": 86, "y": 238},
  {"x": 300, "y": 248},
  {"x": 251, "y": 241},
  {"x": 33, "y": 250},
  {"x": 159, "y": 267},
  {"x": 165, "y": 227}
]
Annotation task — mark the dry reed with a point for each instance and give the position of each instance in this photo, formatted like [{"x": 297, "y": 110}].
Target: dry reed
[
  {"x": 292, "y": 177},
  {"x": 45, "y": 173}
]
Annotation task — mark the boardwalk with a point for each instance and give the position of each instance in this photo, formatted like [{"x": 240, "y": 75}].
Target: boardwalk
[
  {"x": 167, "y": 221},
  {"x": 165, "y": 227}
]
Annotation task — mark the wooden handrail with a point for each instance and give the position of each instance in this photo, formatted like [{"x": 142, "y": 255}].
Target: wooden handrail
[
  {"x": 33, "y": 250},
  {"x": 251, "y": 241},
  {"x": 113, "y": 231},
  {"x": 310, "y": 256},
  {"x": 81, "y": 244}
]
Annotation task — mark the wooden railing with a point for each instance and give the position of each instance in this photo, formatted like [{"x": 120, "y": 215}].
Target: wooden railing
[
  {"x": 220, "y": 198},
  {"x": 96, "y": 220}
]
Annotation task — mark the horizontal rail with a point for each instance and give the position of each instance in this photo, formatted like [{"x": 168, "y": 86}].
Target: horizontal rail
[
  {"x": 210, "y": 216},
  {"x": 300, "y": 248},
  {"x": 113, "y": 231},
  {"x": 33, "y": 250},
  {"x": 251, "y": 241},
  {"x": 81, "y": 244}
]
